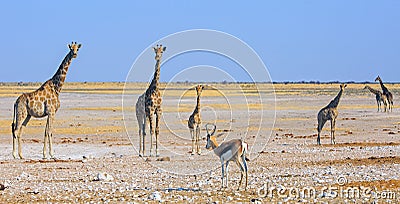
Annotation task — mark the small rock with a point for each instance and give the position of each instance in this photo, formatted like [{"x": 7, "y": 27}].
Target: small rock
[
  {"x": 2, "y": 187},
  {"x": 23, "y": 176},
  {"x": 208, "y": 193},
  {"x": 256, "y": 200},
  {"x": 155, "y": 196},
  {"x": 164, "y": 159},
  {"x": 104, "y": 177}
]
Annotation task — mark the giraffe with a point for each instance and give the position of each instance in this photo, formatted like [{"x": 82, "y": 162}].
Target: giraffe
[
  {"x": 195, "y": 122},
  {"x": 40, "y": 103},
  {"x": 380, "y": 98},
  {"x": 387, "y": 93},
  {"x": 329, "y": 112},
  {"x": 141, "y": 118},
  {"x": 153, "y": 100}
]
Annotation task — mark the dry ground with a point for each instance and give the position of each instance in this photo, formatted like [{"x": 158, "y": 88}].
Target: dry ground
[{"x": 90, "y": 138}]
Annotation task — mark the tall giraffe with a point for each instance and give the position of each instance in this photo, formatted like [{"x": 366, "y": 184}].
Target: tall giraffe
[
  {"x": 195, "y": 122},
  {"x": 153, "y": 99},
  {"x": 380, "y": 98},
  {"x": 387, "y": 93},
  {"x": 329, "y": 112},
  {"x": 40, "y": 103}
]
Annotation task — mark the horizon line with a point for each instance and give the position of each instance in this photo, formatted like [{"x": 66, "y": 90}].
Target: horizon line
[{"x": 217, "y": 82}]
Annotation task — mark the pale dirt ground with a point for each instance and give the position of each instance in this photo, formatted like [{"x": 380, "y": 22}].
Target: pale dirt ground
[{"x": 90, "y": 138}]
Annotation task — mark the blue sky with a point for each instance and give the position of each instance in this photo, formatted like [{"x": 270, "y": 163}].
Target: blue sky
[{"x": 297, "y": 40}]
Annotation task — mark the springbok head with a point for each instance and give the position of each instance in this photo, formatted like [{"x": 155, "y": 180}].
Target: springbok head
[{"x": 210, "y": 135}]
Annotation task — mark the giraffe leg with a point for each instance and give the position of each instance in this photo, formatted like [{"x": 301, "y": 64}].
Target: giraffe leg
[
  {"x": 158, "y": 118},
  {"x": 45, "y": 140},
  {"x": 141, "y": 118},
  {"x": 28, "y": 117},
  {"x": 141, "y": 138},
  {"x": 391, "y": 103},
  {"x": 14, "y": 128},
  {"x": 19, "y": 144},
  {"x": 193, "y": 139},
  {"x": 379, "y": 104},
  {"x": 151, "y": 131},
  {"x": 391, "y": 107},
  {"x": 198, "y": 150},
  {"x": 144, "y": 135},
  {"x": 333, "y": 123},
  {"x": 49, "y": 133},
  {"x": 140, "y": 142},
  {"x": 321, "y": 124},
  {"x": 17, "y": 132},
  {"x": 385, "y": 105}
]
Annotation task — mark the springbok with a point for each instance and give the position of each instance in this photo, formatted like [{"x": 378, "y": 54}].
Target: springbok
[{"x": 233, "y": 150}]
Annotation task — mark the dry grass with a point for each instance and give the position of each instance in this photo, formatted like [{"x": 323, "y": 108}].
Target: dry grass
[
  {"x": 181, "y": 108},
  {"x": 293, "y": 119},
  {"x": 358, "y": 162},
  {"x": 360, "y": 144},
  {"x": 379, "y": 184}
]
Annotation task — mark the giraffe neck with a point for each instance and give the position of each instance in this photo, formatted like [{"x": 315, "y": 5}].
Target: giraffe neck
[
  {"x": 59, "y": 77},
  {"x": 335, "y": 102},
  {"x": 384, "y": 89},
  {"x": 155, "y": 82},
  {"x": 374, "y": 91},
  {"x": 198, "y": 103}
]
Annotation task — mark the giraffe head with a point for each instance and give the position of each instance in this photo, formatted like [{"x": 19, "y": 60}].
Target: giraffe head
[
  {"x": 159, "y": 49},
  {"x": 199, "y": 89},
  {"x": 378, "y": 78},
  {"x": 73, "y": 47},
  {"x": 342, "y": 86}
]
